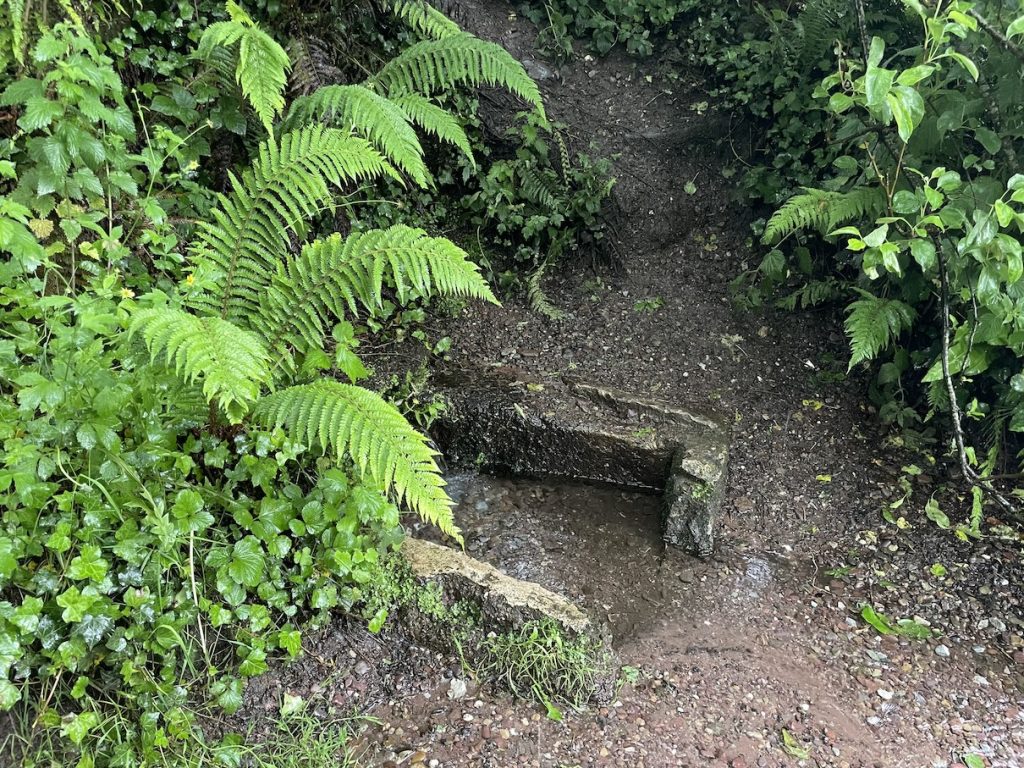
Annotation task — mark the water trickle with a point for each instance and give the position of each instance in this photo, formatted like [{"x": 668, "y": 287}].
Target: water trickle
[{"x": 600, "y": 547}]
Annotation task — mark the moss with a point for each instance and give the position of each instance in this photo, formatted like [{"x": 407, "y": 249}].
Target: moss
[{"x": 394, "y": 588}]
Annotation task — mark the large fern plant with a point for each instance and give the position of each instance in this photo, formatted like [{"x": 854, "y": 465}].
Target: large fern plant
[{"x": 250, "y": 331}]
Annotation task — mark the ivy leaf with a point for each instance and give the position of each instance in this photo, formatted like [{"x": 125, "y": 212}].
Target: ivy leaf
[
  {"x": 228, "y": 694},
  {"x": 10, "y": 694},
  {"x": 75, "y": 603},
  {"x": 1016, "y": 27},
  {"x": 77, "y": 727},
  {"x": 88, "y": 565},
  {"x": 189, "y": 512},
  {"x": 247, "y": 562},
  {"x": 290, "y": 640},
  {"x": 8, "y": 561}
]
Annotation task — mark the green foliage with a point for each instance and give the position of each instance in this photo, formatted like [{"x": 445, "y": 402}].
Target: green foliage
[
  {"x": 424, "y": 18},
  {"x": 360, "y": 424},
  {"x": 185, "y": 485},
  {"x": 541, "y": 205},
  {"x": 462, "y": 59},
  {"x": 873, "y": 323},
  {"x": 603, "y": 24},
  {"x": 538, "y": 661},
  {"x": 231, "y": 363},
  {"x": 821, "y": 210},
  {"x": 262, "y": 69}
]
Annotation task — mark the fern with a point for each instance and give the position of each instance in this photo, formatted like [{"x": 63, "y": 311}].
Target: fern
[
  {"x": 384, "y": 123},
  {"x": 287, "y": 184},
  {"x": 820, "y": 24},
  {"x": 873, "y": 323},
  {"x": 337, "y": 276},
  {"x": 462, "y": 59},
  {"x": 262, "y": 69},
  {"x": 435, "y": 121},
  {"x": 812, "y": 294},
  {"x": 231, "y": 362},
  {"x": 822, "y": 210},
  {"x": 16, "y": 20},
  {"x": 539, "y": 301},
  {"x": 542, "y": 188},
  {"x": 356, "y": 422},
  {"x": 424, "y": 18}
]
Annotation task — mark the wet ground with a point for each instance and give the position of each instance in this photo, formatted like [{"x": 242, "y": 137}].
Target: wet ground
[
  {"x": 758, "y": 656},
  {"x": 600, "y": 547}
]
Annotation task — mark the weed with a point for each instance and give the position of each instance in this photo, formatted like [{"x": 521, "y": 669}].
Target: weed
[
  {"x": 649, "y": 304},
  {"x": 538, "y": 661}
]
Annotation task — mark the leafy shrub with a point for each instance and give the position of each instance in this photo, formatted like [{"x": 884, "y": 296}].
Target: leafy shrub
[{"x": 187, "y": 481}]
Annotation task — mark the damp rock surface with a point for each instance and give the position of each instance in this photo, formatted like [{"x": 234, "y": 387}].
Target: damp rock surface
[{"x": 509, "y": 422}]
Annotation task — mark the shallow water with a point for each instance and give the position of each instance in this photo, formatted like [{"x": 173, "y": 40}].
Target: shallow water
[{"x": 599, "y": 547}]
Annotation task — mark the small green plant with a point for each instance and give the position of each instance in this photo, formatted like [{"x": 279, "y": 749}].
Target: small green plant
[
  {"x": 911, "y": 628},
  {"x": 649, "y": 304},
  {"x": 538, "y": 661}
]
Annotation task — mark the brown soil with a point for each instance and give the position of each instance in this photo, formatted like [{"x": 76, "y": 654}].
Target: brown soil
[{"x": 765, "y": 638}]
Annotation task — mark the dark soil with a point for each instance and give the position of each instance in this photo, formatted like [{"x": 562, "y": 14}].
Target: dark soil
[{"x": 765, "y": 639}]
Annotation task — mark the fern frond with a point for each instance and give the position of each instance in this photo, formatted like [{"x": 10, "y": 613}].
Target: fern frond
[
  {"x": 822, "y": 210},
  {"x": 287, "y": 184},
  {"x": 262, "y": 69},
  {"x": 820, "y": 24},
  {"x": 435, "y": 121},
  {"x": 16, "y": 21},
  {"x": 359, "y": 424},
  {"x": 434, "y": 65},
  {"x": 384, "y": 123},
  {"x": 539, "y": 301},
  {"x": 873, "y": 323},
  {"x": 424, "y": 18},
  {"x": 334, "y": 277},
  {"x": 230, "y": 363},
  {"x": 541, "y": 188},
  {"x": 312, "y": 66}
]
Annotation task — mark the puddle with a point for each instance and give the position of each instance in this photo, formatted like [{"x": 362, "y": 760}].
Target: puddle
[{"x": 599, "y": 547}]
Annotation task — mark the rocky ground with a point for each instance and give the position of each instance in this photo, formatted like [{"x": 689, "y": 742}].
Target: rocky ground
[{"x": 758, "y": 656}]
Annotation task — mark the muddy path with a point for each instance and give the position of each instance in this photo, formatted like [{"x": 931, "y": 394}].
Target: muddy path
[{"x": 765, "y": 638}]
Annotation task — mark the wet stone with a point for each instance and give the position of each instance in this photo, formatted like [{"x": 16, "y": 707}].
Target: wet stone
[{"x": 508, "y": 423}]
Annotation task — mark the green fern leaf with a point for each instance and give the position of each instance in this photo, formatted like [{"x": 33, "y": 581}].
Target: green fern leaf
[
  {"x": 16, "y": 22},
  {"x": 288, "y": 184},
  {"x": 384, "y": 123},
  {"x": 539, "y": 300},
  {"x": 873, "y": 323},
  {"x": 359, "y": 424},
  {"x": 822, "y": 210},
  {"x": 435, "y": 121},
  {"x": 230, "y": 363},
  {"x": 424, "y": 18},
  {"x": 262, "y": 69},
  {"x": 337, "y": 276},
  {"x": 435, "y": 65}
]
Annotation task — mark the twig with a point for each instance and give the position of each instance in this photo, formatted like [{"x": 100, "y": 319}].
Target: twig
[
  {"x": 969, "y": 474},
  {"x": 997, "y": 34}
]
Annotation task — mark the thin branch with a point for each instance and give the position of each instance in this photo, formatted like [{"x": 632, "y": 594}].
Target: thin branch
[{"x": 997, "y": 35}]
